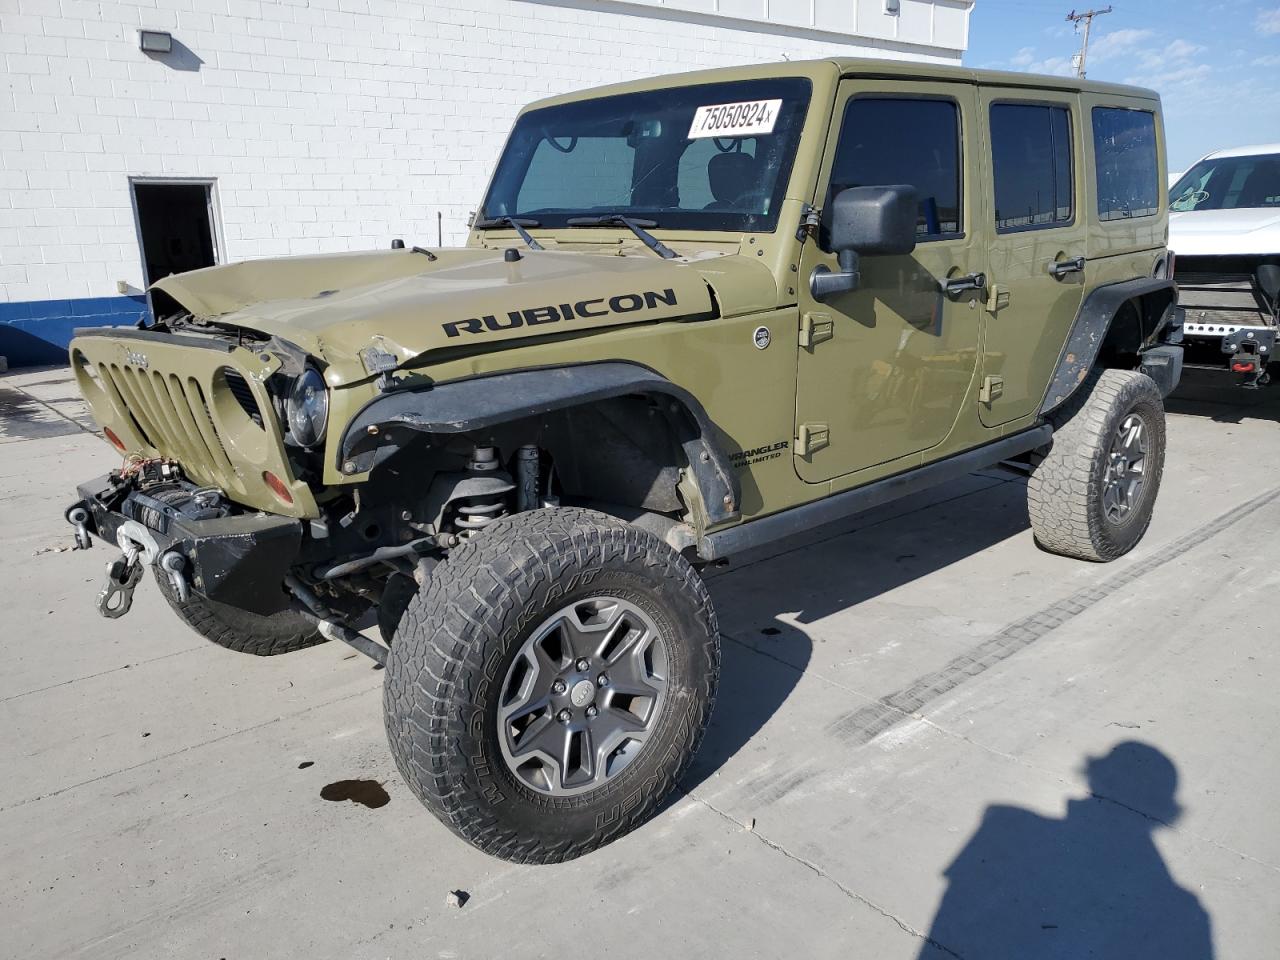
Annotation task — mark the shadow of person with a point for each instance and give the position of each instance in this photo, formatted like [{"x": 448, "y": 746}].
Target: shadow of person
[{"x": 1092, "y": 884}]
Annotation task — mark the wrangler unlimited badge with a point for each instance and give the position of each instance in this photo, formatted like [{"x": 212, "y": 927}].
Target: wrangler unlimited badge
[{"x": 533, "y": 316}]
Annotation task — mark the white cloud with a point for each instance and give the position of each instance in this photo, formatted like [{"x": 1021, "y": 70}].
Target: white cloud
[
  {"x": 1183, "y": 76},
  {"x": 1051, "y": 65},
  {"x": 1054, "y": 66},
  {"x": 1271, "y": 60},
  {"x": 1024, "y": 61},
  {"x": 1177, "y": 53},
  {"x": 1268, "y": 22},
  {"x": 1118, "y": 42},
  {"x": 1181, "y": 49}
]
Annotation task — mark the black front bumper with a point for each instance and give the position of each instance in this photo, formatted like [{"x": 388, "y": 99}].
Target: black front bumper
[{"x": 237, "y": 560}]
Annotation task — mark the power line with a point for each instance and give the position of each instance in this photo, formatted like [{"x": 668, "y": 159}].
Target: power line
[{"x": 1087, "y": 17}]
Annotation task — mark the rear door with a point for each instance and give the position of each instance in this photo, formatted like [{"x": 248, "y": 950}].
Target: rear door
[
  {"x": 883, "y": 370},
  {"x": 1035, "y": 247}
]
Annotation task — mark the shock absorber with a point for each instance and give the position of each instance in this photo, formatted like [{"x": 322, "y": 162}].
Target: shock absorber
[{"x": 477, "y": 511}]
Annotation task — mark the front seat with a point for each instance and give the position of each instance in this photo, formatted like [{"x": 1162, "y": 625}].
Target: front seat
[{"x": 734, "y": 181}]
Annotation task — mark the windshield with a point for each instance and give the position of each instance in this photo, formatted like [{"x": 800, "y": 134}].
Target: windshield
[
  {"x": 1229, "y": 183},
  {"x": 710, "y": 157}
]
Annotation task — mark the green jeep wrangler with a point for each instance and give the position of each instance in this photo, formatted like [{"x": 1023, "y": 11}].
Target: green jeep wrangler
[{"x": 694, "y": 315}]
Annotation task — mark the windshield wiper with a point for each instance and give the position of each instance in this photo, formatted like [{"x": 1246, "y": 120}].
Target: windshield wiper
[
  {"x": 635, "y": 226},
  {"x": 517, "y": 224}
]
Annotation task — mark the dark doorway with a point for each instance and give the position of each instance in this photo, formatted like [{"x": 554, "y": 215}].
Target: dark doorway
[{"x": 175, "y": 227}]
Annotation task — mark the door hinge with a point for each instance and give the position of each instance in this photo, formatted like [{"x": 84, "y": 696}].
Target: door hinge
[
  {"x": 815, "y": 328},
  {"x": 810, "y": 218},
  {"x": 812, "y": 436},
  {"x": 992, "y": 389},
  {"x": 997, "y": 297}
]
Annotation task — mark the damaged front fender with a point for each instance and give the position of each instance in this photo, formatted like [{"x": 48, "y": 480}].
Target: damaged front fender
[{"x": 391, "y": 420}]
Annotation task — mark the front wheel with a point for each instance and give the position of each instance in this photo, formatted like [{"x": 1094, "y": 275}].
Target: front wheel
[
  {"x": 239, "y": 630},
  {"x": 1091, "y": 495},
  {"x": 550, "y": 682}
]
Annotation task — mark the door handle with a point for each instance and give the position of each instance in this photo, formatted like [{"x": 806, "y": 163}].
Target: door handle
[
  {"x": 1060, "y": 268},
  {"x": 958, "y": 285}
]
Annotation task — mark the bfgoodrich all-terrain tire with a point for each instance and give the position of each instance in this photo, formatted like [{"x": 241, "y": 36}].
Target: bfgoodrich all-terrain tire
[
  {"x": 1092, "y": 494},
  {"x": 550, "y": 683},
  {"x": 239, "y": 630}
]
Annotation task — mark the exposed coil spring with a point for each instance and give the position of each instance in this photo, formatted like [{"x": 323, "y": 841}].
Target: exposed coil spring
[{"x": 479, "y": 514}]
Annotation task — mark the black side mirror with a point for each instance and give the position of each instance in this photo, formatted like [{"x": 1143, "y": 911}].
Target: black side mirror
[{"x": 866, "y": 222}]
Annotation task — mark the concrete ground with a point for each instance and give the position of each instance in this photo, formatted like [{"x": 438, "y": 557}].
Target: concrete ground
[{"x": 932, "y": 740}]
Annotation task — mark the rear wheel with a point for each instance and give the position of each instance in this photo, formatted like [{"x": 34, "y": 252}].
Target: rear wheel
[
  {"x": 550, "y": 683},
  {"x": 1091, "y": 496},
  {"x": 240, "y": 630}
]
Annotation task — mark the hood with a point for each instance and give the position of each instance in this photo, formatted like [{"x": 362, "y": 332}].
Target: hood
[
  {"x": 1217, "y": 233},
  {"x": 403, "y": 304}
]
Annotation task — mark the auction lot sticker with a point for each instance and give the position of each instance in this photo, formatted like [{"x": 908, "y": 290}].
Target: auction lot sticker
[{"x": 735, "y": 119}]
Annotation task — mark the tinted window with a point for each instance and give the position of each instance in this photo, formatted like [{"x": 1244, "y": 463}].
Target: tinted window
[
  {"x": 633, "y": 154},
  {"x": 891, "y": 140},
  {"x": 1124, "y": 151},
  {"x": 1031, "y": 158},
  {"x": 1229, "y": 183}
]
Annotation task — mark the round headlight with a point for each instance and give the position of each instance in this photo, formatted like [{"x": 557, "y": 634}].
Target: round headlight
[{"x": 308, "y": 408}]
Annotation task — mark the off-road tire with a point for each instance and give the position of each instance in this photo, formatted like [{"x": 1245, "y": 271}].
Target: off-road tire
[
  {"x": 240, "y": 630},
  {"x": 1065, "y": 490},
  {"x": 458, "y": 638},
  {"x": 396, "y": 596}
]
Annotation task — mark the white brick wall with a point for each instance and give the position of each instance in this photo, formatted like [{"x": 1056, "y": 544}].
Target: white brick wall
[{"x": 328, "y": 124}]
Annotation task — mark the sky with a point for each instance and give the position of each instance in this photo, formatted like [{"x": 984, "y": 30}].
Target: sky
[{"x": 1216, "y": 63}]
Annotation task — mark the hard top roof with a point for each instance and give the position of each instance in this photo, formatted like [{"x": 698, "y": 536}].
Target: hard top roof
[
  {"x": 858, "y": 67},
  {"x": 1257, "y": 150}
]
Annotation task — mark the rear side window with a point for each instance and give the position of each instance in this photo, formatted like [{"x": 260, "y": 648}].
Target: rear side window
[
  {"x": 889, "y": 140},
  {"x": 1124, "y": 149},
  {"x": 1031, "y": 160}
]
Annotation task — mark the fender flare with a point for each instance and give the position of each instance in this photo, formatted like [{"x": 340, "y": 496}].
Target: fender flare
[
  {"x": 1092, "y": 323},
  {"x": 388, "y": 421}
]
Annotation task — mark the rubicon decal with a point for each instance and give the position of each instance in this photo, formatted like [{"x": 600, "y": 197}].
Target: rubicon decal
[{"x": 555, "y": 313}]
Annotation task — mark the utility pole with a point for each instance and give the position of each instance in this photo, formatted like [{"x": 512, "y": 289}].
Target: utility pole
[{"x": 1087, "y": 17}]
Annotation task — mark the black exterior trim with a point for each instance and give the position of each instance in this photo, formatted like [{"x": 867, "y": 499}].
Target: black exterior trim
[
  {"x": 155, "y": 336},
  {"x": 1163, "y": 364},
  {"x": 461, "y": 406},
  {"x": 240, "y": 561},
  {"x": 755, "y": 533},
  {"x": 1089, "y": 332}
]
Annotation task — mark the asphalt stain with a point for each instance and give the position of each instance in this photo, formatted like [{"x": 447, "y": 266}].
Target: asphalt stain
[
  {"x": 771, "y": 631},
  {"x": 306, "y": 763},
  {"x": 24, "y": 418},
  {"x": 367, "y": 793}
]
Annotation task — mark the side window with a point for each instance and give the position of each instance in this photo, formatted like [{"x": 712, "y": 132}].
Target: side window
[
  {"x": 1124, "y": 150},
  {"x": 1031, "y": 163},
  {"x": 887, "y": 140}
]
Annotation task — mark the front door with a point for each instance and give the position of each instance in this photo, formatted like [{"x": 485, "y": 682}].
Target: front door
[
  {"x": 1036, "y": 249},
  {"x": 883, "y": 370}
]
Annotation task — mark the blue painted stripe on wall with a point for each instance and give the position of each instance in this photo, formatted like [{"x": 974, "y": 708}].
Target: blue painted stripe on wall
[{"x": 38, "y": 331}]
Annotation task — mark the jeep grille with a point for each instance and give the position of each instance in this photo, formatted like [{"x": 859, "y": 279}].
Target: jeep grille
[{"x": 185, "y": 401}]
